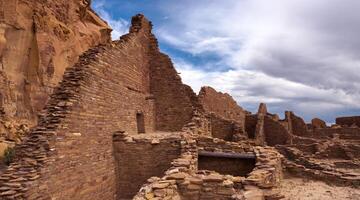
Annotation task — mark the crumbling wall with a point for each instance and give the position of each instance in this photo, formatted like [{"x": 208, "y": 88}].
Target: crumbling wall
[
  {"x": 275, "y": 133},
  {"x": 348, "y": 121},
  {"x": 343, "y": 133},
  {"x": 200, "y": 124},
  {"x": 222, "y": 128},
  {"x": 182, "y": 181},
  {"x": 69, "y": 154},
  {"x": 298, "y": 126},
  {"x": 318, "y": 123},
  {"x": 259, "y": 131},
  {"x": 175, "y": 102},
  {"x": 222, "y": 104},
  {"x": 250, "y": 125}
]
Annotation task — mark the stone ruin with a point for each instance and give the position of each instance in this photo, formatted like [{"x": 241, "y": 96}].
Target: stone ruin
[{"x": 122, "y": 125}]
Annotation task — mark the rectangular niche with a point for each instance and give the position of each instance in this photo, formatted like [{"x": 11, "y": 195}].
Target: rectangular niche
[{"x": 234, "y": 164}]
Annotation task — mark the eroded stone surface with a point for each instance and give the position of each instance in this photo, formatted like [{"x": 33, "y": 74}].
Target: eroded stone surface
[{"x": 38, "y": 41}]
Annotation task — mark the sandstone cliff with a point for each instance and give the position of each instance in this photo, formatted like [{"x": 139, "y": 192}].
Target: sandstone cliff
[{"x": 39, "y": 39}]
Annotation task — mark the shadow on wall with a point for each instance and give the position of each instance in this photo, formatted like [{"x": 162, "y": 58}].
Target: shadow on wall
[
  {"x": 227, "y": 164},
  {"x": 137, "y": 160}
]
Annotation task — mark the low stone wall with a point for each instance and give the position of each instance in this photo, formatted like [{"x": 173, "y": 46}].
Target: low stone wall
[
  {"x": 184, "y": 181},
  {"x": 137, "y": 158},
  {"x": 344, "y": 133},
  {"x": 348, "y": 121},
  {"x": 225, "y": 129},
  {"x": 300, "y": 164}
]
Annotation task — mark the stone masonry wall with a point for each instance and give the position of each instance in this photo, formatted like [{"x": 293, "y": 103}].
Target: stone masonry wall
[
  {"x": 298, "y": 126},
  {"x": 184, "y": 181},
  {"x": 250, "y": 125},
  {"x": 175, "y": 102},
  {"x": 140, "y": 158},
  {"x": 69, "y": 154},
  {"x": 275, "y": 133},
  {"x": 348, "y": 121},
  {"x": 225, "y": 129},
  {"x": 343, "y": 133},
  {"x": 222, "y": 105}
]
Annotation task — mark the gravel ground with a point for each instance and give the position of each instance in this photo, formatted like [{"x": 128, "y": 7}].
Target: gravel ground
[{"x": 302, "y": 189}]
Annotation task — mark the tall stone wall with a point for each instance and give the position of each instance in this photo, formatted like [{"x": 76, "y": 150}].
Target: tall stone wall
[
  {"x": 69, "y": 154},
  {"x": 297, "y": 124},
  {"x": 266, "y": 128},
  {"x": 259, "y": 131},
  {"x": 250, "y": 125},
  {"x": 222, "y": 105},
  {"x": 275, "y": 133},
  {"x": 348, "y": 121},
  {"x": 175, "y": 102}
]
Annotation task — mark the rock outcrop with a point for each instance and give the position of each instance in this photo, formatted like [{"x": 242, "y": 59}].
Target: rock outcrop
[{"x": 39, "y": 39}]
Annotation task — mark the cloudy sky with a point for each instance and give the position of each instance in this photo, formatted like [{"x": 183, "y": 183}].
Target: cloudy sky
[{"x": 300, "y": 55}]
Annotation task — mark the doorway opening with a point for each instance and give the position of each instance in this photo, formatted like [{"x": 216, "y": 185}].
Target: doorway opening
[{"x": 140, "y": 122}]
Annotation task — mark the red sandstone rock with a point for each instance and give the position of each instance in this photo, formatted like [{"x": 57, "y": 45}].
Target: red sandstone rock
[{"x": 38, "y": 41}]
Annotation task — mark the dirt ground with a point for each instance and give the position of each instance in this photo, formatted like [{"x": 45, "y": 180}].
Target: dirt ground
[{"x": 302, "y": 189}]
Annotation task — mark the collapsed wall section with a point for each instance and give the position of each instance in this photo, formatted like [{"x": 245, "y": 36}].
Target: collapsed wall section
[
  {"x": 265, "y": 128},
  {"x": 223, "y": 105},
  {"x": 275, "y": 132},
  {"x": 297, "y": 124},
  {"x": 227, "y": 130}
]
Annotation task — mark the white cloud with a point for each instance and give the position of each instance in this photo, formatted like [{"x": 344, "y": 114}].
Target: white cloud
[
  {"x": 120, "y": 26},
  {"x": 250, "y": 88},
  {"x": 298, "y": 54}
]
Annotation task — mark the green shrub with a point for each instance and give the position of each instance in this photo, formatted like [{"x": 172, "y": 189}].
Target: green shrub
[{"x": 9, "y": 155}]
